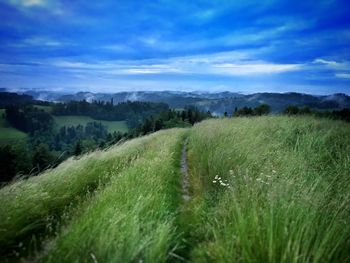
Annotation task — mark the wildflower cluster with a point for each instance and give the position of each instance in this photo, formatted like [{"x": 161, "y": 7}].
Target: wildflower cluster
[
  {"x": 222, "y": 182},
  {"x": 265, "y": 179}
]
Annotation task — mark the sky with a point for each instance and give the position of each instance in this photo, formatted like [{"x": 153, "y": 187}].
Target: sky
[{"x": 125, "y": 45}]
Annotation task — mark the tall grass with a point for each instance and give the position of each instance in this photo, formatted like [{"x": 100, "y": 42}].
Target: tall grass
[
  {"x": 28, "y": 206},
  {"x": 287, "y": 194},
  {"x": 263, "y": 189},
  {"x": 133, "y": 218}
]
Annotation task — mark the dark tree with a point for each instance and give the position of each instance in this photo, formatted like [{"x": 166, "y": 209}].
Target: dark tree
[
  {"x": 158, "y": 125},
  {"x": 291, "y": 110},
  {"x": 42, "y": 158},
  {"x": 262, "y": 109},
  {"x": 78, "y": 149},
  {"x": 7, "y": 163},
  {"x": 245, "y": 111}
]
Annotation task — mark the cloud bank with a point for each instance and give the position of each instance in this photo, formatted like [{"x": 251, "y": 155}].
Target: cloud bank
[{"x": 176, "y": 45}]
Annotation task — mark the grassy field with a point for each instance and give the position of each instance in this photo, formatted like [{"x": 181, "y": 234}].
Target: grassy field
[
  {"x": 271, "y": 189},
  {"x": 263, "y": 189},
  {"x": 83, "y": 120},
  {"x": 44, "y": 108},
  {"x": 136, "y": 212},
  {"x": 7, "y": 133}
]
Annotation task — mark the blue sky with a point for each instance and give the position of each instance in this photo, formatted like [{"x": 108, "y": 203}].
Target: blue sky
[{"x": 110, "y": 46}]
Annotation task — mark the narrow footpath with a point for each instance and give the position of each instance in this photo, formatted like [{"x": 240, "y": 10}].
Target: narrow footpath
[{"x": 184, "y": 171}]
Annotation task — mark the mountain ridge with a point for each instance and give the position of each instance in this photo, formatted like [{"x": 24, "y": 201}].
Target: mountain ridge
[{"x": 215, "y": 102}]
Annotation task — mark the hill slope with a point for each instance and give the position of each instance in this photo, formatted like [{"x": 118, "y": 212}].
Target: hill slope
[{"x": 267, "y": 189}]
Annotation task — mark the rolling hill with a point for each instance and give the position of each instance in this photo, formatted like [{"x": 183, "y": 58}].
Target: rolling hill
[
  {"x": 260, "y": 189},
  {"x": 217, "y": 103}
]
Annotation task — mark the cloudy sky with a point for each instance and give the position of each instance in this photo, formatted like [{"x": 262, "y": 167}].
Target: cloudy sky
[{"x": 245, "y": 46}]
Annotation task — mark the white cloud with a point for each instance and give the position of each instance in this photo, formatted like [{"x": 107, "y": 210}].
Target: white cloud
[
  {"x": 326, "y": 62},
  {"x": 332, "y": 65},
  {"x": 255, "y": 68},
  {"x": 28, "y": 3},
  {"x": 343, "y": 75},
  {"x": 42, "y": 41},
  {"x": 226, "y": 63},
  {"x": 150, "y": 69},
  {"x": 51, "y": 6},
  {"x": 76, "y": 65},
  {"x": 39, "y": 41}
]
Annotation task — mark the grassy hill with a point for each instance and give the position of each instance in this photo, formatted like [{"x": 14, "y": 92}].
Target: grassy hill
[
  {"x": 8, "y": 133},
  {"x": 264, "y": 189},
  {"x": 83, "y": 120}
]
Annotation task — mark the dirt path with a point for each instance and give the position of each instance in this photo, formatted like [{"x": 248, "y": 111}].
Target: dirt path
[{"x": 184, "y": 171}]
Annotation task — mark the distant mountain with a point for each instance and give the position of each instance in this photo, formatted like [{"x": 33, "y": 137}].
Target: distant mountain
[
  {"x": 172, "y": 98},
  {"x": 220, "y": 102},
  {"x": 217, "y": 103},
  {"x": 44, "y": 95},
  {"x": 278, "y": 101}
]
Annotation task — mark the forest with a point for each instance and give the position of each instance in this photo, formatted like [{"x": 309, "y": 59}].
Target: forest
[{"x": 48, "y": 145}]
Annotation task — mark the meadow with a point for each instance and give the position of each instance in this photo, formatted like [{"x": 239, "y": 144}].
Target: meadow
[
  {"x": 72, "y": 120},
  {"x": 262, "y": 189},
  {"x": 271, "y": 189}
]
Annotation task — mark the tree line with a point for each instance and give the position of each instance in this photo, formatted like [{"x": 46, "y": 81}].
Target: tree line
[
  {"x": 133, "y": 112},
  {"x": 45, "y": 149},
  {"x": 264, "y": 109},
  {"x": 29, "y": 119},
  {"x": 170, "y": 119},
  {"x": 343, "y": 114},
  {"x": 47, "y": 146}
]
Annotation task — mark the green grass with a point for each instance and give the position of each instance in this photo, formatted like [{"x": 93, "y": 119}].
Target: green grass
[
  {"x": 44, "y": 108},
  {"x": 8, "y": 133},
  {"x": 133, "y": 218},
  {"x": 284, "y": 196},
  {"x": 83, "y": 120},
  {"x": 288, "y": 195},
  {"x": 27, "y": 204}
]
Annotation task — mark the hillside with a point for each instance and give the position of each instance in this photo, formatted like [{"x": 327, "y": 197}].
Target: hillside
[{"x": 259, "y": 189}]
